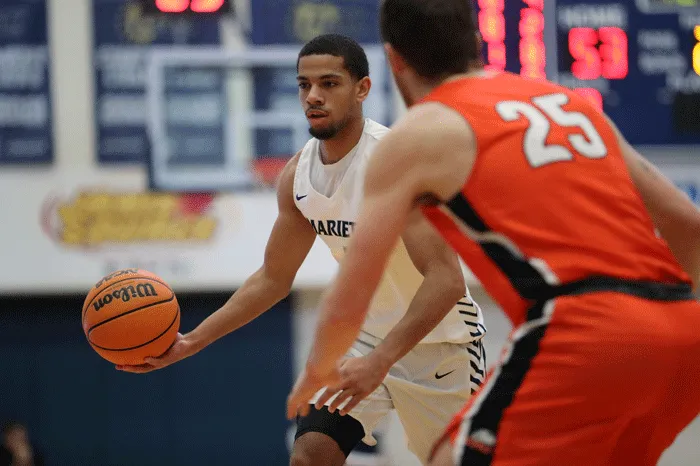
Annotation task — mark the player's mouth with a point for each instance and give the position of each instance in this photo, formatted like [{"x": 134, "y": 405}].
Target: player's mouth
[{"x": 316, "y": 115}]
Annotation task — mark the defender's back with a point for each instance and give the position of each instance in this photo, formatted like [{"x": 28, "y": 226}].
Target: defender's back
[{"x": 549, "y": 199}]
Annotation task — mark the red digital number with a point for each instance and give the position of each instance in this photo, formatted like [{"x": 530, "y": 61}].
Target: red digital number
[
  {"x": 582, "y": 46},
  {"x": 536, "y": 4},
  {"x": 492, "y": 25},
  {"x": 610, "y": 60},
  {"x": 613, "y": 51},
  {"x": 532, "y": 49},
  {"x": 592, "y": 95},
  {"x": 198, "y": 6},
  {"x": 206, "y": 6},
  {"x": 172, "y": 6}
]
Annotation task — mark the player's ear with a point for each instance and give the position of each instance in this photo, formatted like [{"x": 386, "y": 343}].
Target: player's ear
[
  {"x": 396, "y": 61},
  {"x": 479, "y": 43},
  {"x": 363, "y": 86}
]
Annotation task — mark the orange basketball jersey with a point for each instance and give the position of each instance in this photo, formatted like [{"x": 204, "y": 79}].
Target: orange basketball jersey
[{"x": 549, "y": 200}]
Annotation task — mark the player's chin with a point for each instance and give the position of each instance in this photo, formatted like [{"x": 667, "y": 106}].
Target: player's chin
[
  {"x": 321, "y": 123},
  {"x": 322, "y": 131}
]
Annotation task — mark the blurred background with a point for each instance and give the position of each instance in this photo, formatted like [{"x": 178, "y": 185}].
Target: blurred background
[{"x": 149, "y": 133}]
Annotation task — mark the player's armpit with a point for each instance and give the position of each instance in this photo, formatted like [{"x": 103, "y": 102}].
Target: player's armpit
[
  {"x": 292, "y": 235},
  {"x": 675, "y": 216}
]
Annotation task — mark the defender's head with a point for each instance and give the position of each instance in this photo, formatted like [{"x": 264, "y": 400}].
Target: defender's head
[
  {"x": 333, "y": 77},
  {"x": 428, "y": 41}
]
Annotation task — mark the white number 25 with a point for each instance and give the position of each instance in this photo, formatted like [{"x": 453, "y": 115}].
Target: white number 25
[{"x": 535, "y": 146}]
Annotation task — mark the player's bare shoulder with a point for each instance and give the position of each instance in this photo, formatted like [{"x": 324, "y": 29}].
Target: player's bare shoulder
[
  {"x": 434, "y": 144},
  {"x": 285, "y": 183}
]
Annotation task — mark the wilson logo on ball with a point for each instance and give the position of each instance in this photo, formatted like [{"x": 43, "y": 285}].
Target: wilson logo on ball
[{"x": 142, "y": 290}]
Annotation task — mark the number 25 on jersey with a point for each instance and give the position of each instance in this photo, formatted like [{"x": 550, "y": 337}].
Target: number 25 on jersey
[{"x": 543, "y": 109}]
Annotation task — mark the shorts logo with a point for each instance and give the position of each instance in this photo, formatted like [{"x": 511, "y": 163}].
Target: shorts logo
[{"x": 483, "y": 441}]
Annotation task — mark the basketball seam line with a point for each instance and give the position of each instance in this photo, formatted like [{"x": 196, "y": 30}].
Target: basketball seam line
[{"x": 177, "y": 314}]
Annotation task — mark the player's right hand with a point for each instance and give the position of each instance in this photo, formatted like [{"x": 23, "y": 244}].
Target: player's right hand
[{"x": 180, "y": 349}]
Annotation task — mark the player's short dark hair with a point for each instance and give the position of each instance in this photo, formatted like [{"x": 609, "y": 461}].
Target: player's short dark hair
[
  {"x": 353, "y": 55},
  {"x": 437, "y": 38}
]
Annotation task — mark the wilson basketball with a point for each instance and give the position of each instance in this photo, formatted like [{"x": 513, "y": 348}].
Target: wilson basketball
[{"x": 129, "y": 315}]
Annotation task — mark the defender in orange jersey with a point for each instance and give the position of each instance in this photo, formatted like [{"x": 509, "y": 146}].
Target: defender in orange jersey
[{"x": 587, "y": 247}]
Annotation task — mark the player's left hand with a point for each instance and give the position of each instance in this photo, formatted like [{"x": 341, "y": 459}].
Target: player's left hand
[
  {"x": 359, "y": 377},
  {"x": 309, "y": 382},
  {"x": 179, "y": 350}
]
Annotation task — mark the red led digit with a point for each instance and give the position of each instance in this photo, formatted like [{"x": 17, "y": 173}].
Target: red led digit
[
  {"x": 206, "y": 6},
  {"x": 582, "y": 46},
  {"x": 531, "y": 22},
  {"x": 496, "y": 56},
  {"x": 532, "y": 59},
  {"x": 172, "y": 6},
  {"x": 491, "y": 4},
  {"x": 533, "y": 56},
  {"x": 537, "y": 4},
  {"x": 592, "y": 95},
  {"x": 614, "y": 51},
  {"x": 492, "y": 26}
]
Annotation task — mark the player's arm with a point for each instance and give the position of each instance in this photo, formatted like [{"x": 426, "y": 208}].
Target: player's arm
[
  {"x": 442, "y": 286},
  {"x": 673, "y": 213},
  {"x": 289, "y": 243},
  {"x": 430, "y": 151}
]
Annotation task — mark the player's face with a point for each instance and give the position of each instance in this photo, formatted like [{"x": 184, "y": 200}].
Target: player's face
[{"x": 329, "y": 95}]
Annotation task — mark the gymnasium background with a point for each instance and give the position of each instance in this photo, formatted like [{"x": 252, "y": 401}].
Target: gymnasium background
[{"x": 133, "y": 138}]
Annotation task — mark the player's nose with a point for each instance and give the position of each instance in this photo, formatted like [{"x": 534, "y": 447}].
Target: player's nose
[{"x": 315, "y": 96}]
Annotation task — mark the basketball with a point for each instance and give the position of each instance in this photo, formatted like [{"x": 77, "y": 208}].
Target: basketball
[{"x": 129, "y": 315}]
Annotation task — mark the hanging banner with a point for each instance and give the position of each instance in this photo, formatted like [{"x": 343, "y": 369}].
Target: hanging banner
[{"x": 25, "y": 90}]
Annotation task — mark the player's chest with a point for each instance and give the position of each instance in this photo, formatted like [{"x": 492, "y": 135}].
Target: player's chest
[{"x": 333, "y": 219}]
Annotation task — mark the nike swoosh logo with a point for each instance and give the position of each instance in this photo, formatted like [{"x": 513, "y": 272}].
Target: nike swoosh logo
[
  {"x": 438, "y": 376},
  {"x": 299, "y": 198}
]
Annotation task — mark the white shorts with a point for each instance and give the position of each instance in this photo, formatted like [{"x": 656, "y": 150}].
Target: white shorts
[{"x": 427, "y": 387}]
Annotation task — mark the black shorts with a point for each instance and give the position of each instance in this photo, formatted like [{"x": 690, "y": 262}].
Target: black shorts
[{"x": 345, "y": 430}]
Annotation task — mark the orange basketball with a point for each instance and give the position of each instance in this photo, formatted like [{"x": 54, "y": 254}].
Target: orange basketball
[{"x": 129, "y": 315}]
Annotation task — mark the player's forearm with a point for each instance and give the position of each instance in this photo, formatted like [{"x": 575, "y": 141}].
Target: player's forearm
[
  {"x": 340, "y": 321},
  {"x": 437, "y": 295},
  {"x": 258, "y": 294}
]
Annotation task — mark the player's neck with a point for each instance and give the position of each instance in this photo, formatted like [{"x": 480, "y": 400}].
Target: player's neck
[
  {"x": 337, "y": 147},
  {"x": 422, "y": 87}
]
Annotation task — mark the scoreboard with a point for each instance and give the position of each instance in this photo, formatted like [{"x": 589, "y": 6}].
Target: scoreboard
[{"x": 638, "y": 60}]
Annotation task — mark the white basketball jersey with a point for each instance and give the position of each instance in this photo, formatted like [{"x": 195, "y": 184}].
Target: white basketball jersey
[{"x": 329, "y": 196}]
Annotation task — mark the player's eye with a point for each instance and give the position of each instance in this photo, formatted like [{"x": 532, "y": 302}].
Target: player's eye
[{"x": 303, "y": 85}]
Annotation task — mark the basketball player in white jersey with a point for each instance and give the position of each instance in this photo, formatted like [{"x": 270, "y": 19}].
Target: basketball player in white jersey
[{"x": 420, "y": 349}]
